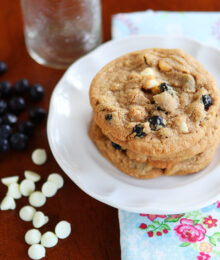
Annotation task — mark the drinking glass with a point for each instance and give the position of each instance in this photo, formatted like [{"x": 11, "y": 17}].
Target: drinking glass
[{"x": 57, "y": 32}]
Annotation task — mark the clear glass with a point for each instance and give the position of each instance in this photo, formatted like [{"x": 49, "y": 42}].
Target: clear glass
[{"x": 57, "y": 32}]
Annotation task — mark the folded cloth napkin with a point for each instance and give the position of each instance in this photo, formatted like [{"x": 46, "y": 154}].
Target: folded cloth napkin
[{"x": 187, "y": 236}]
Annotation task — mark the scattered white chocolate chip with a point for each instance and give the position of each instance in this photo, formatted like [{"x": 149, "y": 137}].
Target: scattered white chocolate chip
[
  {"x": 49, "y": 189},
  {"x": 8, "y": 203},
  {"x": 49, "y": 239},
  {"x": 14, "y": 190},
  {"x": 27, "y": 187},
  {"x": 39, "y": 219},
  {"x": 148, "y": 72},
  {"x": 36, "y": 251},
  {"x": 152, "y": 83},
  {"x": 26, "y": 213},
  {"x": 32, "y": 236},
  {"x": 39, "y": 156},
  {"x": 184, "y": 128},
  {"x": 9, "y": 180},
  {"x": 33, "y": 176},
  {"x": 63, "y": 229},
  {"x": 57, "y": 179},
  {"x": 37, "y": 199}
]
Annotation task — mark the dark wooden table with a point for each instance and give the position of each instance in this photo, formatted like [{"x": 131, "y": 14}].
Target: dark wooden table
[{"x": 95, "y": 228}]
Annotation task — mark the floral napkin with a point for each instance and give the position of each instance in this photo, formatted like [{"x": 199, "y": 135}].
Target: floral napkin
[{"x": 189, "y": 236}]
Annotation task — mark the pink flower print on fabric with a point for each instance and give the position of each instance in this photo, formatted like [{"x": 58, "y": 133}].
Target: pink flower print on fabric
[
  {"x": 152, "y": 217},
  {"x": 210, "y": 222},
  {"x": 127, "y": 22},
  {"x": 203, "y": 256},
  {"x": 218, "y": 203},
  {"x": 189, "y": 232}
]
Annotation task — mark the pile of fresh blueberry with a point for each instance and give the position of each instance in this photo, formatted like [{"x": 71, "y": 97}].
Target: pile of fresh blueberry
[{"x": 13, "y": 134}]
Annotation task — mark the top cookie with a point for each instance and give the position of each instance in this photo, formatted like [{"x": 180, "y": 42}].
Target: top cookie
[{"x": 154, "y": 101}]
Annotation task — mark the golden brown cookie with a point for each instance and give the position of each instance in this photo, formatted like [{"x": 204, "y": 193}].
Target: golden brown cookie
[
  {"x": 157, "y": 102},
  {"x": 211, "y": 137},
  {"x": 118, "y": 157}
]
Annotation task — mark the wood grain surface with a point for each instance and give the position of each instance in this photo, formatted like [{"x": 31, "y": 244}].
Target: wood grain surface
[{"x": 95, "y": 228}]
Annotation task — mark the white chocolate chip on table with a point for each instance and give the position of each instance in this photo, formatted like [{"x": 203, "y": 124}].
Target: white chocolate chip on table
[
  {"x": 39, "y": 219},
  {"x": 8, "y": 203},
  {"x": 27, "y": 187},
  {"x": 36, "y": 251},
  {"x": 49, "y": 239},
  {"x": 9, "y": 180},
  {"x": 14, "y": 191},
  {"x": 32, "y": 236},
  {"x": 57, "y": 179},
  {"x": 63, "y": 229},
  {"x": 26, "y": 213},
  {"x": 37, "y": 199},
  {"x": 39, "y": 156},
  {"x": 33, "y": 176},
  {"x": 49, "y": 189}
]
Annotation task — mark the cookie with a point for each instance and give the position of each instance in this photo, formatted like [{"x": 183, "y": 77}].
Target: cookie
[
  {"x": 156, "y": 102},
  {"x": 118, "y": 157},
  {"x": 211, "y": 137}
]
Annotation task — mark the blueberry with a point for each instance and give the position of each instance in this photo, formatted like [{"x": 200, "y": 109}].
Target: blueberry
[
  {"x": 116, "y": 146},
  {"x": 4, "y": 145},
  {"x": 3, "y": 106},
  {"x": 36, "y": 92},
  {"x": 207, "y": 101},
  {"x": 17, "y": 105},
  {"x": 21, "y": 86},
  {"x": 1, "y": 120},
  {"x": 37, "y": 115},
  {"x": 138, "y": 129},
  {"x": 156, "y": 122},
  {"x": 5, "y": 88},
  {"x": 10, "y": 119},
  {"x": 167, "y": 87},
  {"x": 5, "y": 131},
  {"x": 26, "y": 127},
  {"x": 163, "y": 87},
  {"x": 108, "y": 117},
  {"x": 19, "y": 141},
  {"x": 3, "y": 67}
]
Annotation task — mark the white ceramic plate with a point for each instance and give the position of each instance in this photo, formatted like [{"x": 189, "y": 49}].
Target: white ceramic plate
[{"x": 68, "y": 121}]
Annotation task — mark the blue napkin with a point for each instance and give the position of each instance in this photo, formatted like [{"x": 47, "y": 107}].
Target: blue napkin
[{"x": 189, "y": 236}]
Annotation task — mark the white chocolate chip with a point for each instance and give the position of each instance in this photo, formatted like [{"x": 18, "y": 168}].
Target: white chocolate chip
[
  {"x": 9, "y": 180},
  {"x": 148, "y": 73},
  {"x": 32, "y": 236},
  {"x": 36, "y": 251},
  {"x": 8, "y": 203},
  {"x": 63, "y": 229},
  {"x": 49, "y": 239},
  {"x": 49, "y": 189},
  {"x": 33, "y": 176},
  {"x": 26, "y": 213},
  {"x": 57, "y": 179},
  {"x": 184, "y": 128},
  {"x": 39, "y": 156},
  {"x": 152, "y": 83},
  {"x": 39, "y": 219},
  {"x": 37, "y": 199},
  {"x": 27, "y": 187},
  {"x": 14, "y": 190}
]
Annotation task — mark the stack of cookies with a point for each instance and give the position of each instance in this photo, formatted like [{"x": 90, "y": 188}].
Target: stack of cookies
[{"x": 156, "y": 112}]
